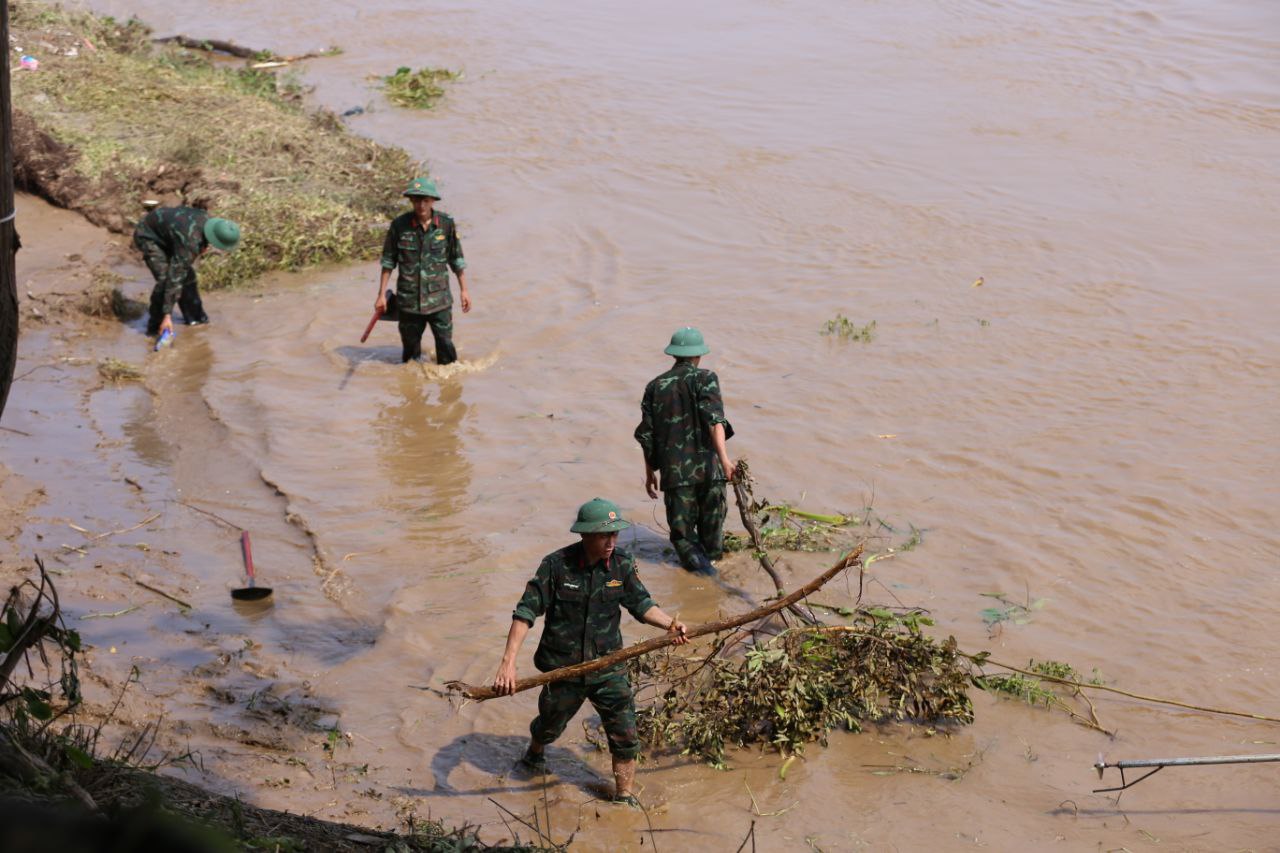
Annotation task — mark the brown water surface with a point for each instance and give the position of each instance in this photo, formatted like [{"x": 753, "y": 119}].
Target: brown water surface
[{"x": 1095, "y": 425}]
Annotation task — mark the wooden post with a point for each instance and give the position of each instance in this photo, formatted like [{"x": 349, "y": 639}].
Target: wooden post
[{"x": 8, "y": 234}]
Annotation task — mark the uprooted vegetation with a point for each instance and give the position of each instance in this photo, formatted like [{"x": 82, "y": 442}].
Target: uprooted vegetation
[
  {"x": 785, "y": 684},
  {"x": 794, "y": 688},
  {"x": 112, "y": 118},
  {"x": 65, "y": 783},
  {"x": 417, "y": 89},
  {"x": 783, "y": 527}
]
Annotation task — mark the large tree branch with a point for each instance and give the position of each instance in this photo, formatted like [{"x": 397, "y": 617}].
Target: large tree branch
[
  {"x": 480, "y": 693},
  {"x": 740, "y": 479}
]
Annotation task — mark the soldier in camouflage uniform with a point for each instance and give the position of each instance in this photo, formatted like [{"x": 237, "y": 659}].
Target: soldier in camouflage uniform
[
  {"x": 171, "y": 240},
  {"x": 581, "y": 588},
  {"x": 424, "y": 245},
  {"x": 682, "y": 432}
]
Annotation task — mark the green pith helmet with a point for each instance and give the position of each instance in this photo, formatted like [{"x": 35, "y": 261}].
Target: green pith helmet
[
  {"x": 422, "y": 186},
  {"x": 686, "y": 343},
  {"x": 222, "y": 233},
  {"x": 599, "y": 516}
]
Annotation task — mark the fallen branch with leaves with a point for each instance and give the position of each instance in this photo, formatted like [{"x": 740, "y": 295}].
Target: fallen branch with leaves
[
  {"x": 481, "y": 693},
  {"x": 742, "y": 494}
]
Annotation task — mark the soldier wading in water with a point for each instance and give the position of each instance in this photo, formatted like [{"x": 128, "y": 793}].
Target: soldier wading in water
[
  {"x": 682, "y": 432},
  {"x": 424, "y": 245},
  {"x": 581, "y": 588}
]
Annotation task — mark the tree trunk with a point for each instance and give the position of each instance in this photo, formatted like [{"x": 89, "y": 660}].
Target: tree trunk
[{"x": 8, "y": 233}]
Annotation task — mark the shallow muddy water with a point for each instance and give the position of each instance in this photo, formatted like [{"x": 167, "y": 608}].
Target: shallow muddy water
[{"x": 1094, "y": 425}]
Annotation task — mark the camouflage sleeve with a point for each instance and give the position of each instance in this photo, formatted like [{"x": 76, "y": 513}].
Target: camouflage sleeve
[
  {"x": 644, "y": 431},
  {"x": 710, "y": 406},
  {"x": 390, "y": 247},
  {"x": 635, "y": 597},
  {"x": 537, "y": 595},
  {"x": 457, "y": 262}
]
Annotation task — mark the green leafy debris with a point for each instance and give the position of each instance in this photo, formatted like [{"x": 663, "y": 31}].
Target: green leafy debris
[
  {"x": 842, "y": 327},
  {"x": 1010, "y": 611},
  {"x": 793, "y": 689},
  {"x": 417, "y": 89}
]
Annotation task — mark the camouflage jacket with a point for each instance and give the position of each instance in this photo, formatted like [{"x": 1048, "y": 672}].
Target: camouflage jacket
[
  {"x": 583, "y": 606},
  {"x": 178, "y": 233},
  {"x": 676, "y": 415},
  {"x": 424, "y": 257}
]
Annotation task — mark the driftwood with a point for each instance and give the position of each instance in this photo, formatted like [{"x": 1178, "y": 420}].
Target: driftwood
[
  {"x": 740, "y": 477},
  {"x": 481, "y": 693},
  {"x": 213, "y": 46},
  {"x": 163, "y": 594},
  {"x": 9, "y": 241},
  {"x": 233, "y": 49}
]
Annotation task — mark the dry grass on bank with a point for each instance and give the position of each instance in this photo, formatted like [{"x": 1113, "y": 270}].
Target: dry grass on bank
[{"x": 111, "y": 119}]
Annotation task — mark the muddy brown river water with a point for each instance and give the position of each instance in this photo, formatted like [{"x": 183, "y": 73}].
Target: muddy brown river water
[{"x": 1096, "y": 425}]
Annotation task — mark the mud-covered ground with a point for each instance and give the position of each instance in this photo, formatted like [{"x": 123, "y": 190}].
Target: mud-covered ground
[{"x": 111, "y": 531}]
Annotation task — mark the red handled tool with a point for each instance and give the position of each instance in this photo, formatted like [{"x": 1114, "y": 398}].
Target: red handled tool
[
  {"x": 373, "y": 321},
  {"x": 252, "y": 592}
]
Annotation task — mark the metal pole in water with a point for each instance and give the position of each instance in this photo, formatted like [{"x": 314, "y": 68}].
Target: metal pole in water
[{"x": 1161, "y": 763}]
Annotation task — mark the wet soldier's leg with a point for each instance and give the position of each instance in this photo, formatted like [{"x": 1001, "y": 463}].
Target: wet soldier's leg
[
  {"x": 614, "y": 702},
  {"x": 442, "y": 330},
  {"x": 712, "y": 509},
  {"x": 158, "y": 263},
  {"x": 155, "y": 312},
  {"x": 557, "y": 703},
  {"x": 411, "y": 328},
  {"x": 682, "y": 521},
  {"x": 190, "y": 303}
]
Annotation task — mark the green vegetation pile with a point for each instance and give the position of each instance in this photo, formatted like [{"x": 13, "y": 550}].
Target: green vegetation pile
[
  {"x": 417, "y": 89},
  {"x": 112, "y": 118},
  {"x": 795, "y": 687},
  {"x": 841, "y": 326}
]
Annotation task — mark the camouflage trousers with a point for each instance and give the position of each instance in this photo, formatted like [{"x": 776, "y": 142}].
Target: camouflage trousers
[
  {"x": 188, "y": 300},
  {"x": 695, "y": 515},
  {"x": 610, "y": 696},
  {"x": 412, "y": 327}
]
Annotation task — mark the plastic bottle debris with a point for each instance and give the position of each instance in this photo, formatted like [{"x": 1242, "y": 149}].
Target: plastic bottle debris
[
  {"x": 165, "y": 340},
  {"x": 29, "y": 63}
]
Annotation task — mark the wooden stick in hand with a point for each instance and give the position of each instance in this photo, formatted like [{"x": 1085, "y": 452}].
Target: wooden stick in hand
[{"x": 577, "y": 670}]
